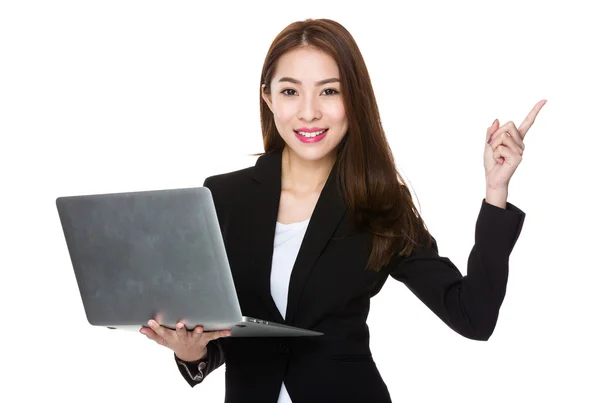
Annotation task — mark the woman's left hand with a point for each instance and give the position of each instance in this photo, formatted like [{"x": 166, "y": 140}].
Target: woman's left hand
[{"x": 504, "y": 150}]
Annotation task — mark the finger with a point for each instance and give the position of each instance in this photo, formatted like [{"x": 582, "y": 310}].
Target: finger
[
  {"x": 180, "y": 330},
  {"x": 160, "y": 330},
  {"x": 490, "y": 130},
  {"x": 151, "y": 334},
  {"x": 507, "y": 127},
  {"x": 530, "y": 118},
  {"x": 509, "y": 141},
  {"x": 197, "y": 332},
  {"x": 159, "y": 317},
  {"x": 516, "y": 135},
  {"x": 216, "y": 335},
  {"x": 500, "y": 134},
  {"x": 510, "y": 157},
  {"x": 509, "y": 132}
]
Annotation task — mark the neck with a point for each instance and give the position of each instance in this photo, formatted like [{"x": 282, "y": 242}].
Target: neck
[{"x": 301, "y": 176}]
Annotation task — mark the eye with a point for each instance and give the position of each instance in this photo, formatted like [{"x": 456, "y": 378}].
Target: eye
[{"x": 334, "y": 91}]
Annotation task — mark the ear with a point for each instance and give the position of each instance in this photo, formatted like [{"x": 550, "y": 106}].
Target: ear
[{"x": 266, "y": 97}]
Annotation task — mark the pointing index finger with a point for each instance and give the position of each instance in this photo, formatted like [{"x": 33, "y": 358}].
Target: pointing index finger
[{"x": 528, "y": 121}]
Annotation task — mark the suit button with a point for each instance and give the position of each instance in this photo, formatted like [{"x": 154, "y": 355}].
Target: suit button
[{"x": 284, "y": 348}]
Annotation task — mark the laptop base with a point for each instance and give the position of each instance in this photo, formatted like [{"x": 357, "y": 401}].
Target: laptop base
[{"x": 249, "y": 327}]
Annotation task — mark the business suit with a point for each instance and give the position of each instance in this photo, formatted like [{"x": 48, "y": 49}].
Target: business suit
[{"x": 330, "y": 291}]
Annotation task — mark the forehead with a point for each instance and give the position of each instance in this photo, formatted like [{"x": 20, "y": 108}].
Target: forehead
[{"x": 307, "y": 65}]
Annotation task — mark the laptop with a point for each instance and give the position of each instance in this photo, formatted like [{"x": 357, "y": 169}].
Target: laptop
[{"x": 156, "y": 254}]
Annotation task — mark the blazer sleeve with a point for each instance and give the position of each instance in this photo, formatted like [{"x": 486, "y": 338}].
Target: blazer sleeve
[
  {"x": 468, "y": 304},
  {"x": 194, "y": 372}
]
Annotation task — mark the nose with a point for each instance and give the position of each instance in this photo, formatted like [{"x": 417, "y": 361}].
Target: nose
[{"x": 308, "y": 109}]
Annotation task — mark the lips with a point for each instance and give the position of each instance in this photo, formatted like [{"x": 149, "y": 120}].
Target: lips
[
  {"x": 313, "y": 139},
  {"x": 310, "y": 132},
  {"x": 310, "y": 129}
]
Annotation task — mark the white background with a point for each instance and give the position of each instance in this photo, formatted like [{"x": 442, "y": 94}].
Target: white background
[{"x": 123, "y": 95}]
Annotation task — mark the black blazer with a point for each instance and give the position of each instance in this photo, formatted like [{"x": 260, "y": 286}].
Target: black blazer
[{"x": 330, "y": 291}]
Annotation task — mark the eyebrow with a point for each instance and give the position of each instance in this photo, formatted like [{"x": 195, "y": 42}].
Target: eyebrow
[{"x": 322, "y": 82}]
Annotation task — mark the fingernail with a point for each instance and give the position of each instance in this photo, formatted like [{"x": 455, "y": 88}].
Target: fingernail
[{"x": 494, "y": 122}]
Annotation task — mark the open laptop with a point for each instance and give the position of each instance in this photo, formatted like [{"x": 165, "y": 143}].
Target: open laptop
[{"x": 156, "y": 254}]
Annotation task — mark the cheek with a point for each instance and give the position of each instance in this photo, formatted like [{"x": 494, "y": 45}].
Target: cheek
[
  {"x": 283, "y": 112},
  {"x": 337, "y": 112}
]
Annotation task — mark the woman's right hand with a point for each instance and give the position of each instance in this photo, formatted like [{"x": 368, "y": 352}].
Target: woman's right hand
[{"x": 188, "y": 345}]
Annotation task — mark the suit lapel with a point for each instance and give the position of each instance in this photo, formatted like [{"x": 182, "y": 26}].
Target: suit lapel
[
  {"x": 326, "y": 216},
  {"x": 264, "y": 208}
]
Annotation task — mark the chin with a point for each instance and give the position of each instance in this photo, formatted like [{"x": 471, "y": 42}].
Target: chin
[{"x": 311, "y": 155}]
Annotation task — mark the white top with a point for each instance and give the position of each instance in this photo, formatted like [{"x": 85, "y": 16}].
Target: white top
[{"x": 288, "y": 238}]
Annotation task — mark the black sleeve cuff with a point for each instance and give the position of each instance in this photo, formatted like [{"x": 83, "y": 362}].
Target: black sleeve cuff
[
  {"x": 194, "y": 369},
  {"x": 194, "y": 372},
  {"x": 500, "y": 226}
]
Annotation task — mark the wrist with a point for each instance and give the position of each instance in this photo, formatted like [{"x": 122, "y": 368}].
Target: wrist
[
  {"x": 496, "y": 197},
  {"x": 192, "y": 357}
]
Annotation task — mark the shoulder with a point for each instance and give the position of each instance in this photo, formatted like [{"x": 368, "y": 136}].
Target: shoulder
[
  {"x": 229, "y": 186},
  {"x": 234, "y": 186},
  {"x": 229, "y": 183}
]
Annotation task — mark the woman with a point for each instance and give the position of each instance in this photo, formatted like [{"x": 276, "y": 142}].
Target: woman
[{"x": 315, "y": 228}]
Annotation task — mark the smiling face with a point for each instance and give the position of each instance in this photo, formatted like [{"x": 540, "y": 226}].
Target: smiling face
[{"x": 307, "y": 104}]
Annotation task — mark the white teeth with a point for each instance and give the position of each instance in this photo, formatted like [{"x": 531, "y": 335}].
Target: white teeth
[{"x": 314, "y": 134}]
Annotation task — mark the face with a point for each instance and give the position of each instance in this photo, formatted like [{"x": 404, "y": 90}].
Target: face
[{"x": 307, "y": 104}]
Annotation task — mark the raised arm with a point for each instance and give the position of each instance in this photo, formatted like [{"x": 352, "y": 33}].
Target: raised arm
[{"x": 469, "y": 304}]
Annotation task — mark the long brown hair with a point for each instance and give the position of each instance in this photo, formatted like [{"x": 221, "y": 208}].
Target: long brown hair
[{"x": 375, "y": 193}]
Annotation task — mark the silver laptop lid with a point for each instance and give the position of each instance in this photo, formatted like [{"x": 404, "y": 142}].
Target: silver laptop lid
[{"x": 150, "y": 254}]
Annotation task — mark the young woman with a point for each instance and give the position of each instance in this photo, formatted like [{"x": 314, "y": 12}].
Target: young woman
[{"x": 316, "y": 227}]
